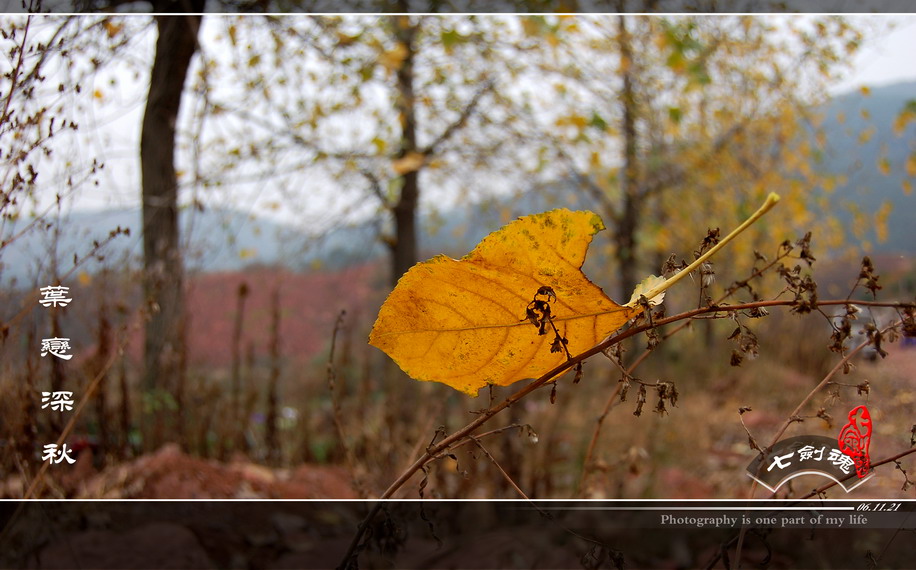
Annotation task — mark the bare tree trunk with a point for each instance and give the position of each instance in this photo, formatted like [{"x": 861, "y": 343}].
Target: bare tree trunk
[
  {"x": 272, "y": 436},
  {"x": 25, "y": 441},
  {"x": 58, "y": 373},
  {"x": 163, "y": 273},
  {"x": 404, "y": 249},
  {"x": 125, "y": 447},
  {"x": 96, "y": 366},
  {"x": 236, "y": 374},
  {"x": 628, "y": 220}
]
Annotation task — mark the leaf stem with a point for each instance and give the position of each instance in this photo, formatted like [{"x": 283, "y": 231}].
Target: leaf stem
[{"x": 768, "y": 204}]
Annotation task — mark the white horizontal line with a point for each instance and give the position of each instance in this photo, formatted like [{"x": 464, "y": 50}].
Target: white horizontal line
[{"x": 711, "y": 508}]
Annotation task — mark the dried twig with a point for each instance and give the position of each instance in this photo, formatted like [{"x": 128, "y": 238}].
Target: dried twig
[
  {"x": 792, "y": 418},
  {"x": 814, "y": 493},
  {"x": 783, "y": 252},
  {"x": 505, "y": 475},
  {"x": 433, "y": 452},
  {"x": 336, "y": 409}
]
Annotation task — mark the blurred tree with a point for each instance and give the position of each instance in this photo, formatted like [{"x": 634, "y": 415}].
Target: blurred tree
[
  {"x": 42, "y": 107},
  {"x": 673, "y": 121},
  {"x": 26, "y": 125},
  {"x": 390, "y": 111},
  {"x": 361, "y": 117},
  {"x": 163, "y": 272},
  {"x": 37, "y": 111},
  {"x": 906, "y": 116}
]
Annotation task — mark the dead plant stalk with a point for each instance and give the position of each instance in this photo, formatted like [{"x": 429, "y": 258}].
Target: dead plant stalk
[
  {"x": 792, "y": 418},
  {"x": 438, "y": 450}
]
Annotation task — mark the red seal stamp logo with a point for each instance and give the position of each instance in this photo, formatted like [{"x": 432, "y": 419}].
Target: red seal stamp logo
[{"x": 855, "y": 437}]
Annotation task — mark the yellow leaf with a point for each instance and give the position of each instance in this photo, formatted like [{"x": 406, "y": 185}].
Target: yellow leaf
[
  {"x": 98, "y": 94},
  {"x": 463, "y": 323},
  {"x": 821, "y": 139},
  {"x": 907, "y": 187},
  {"x": 902, "y": 120},
  {"x": 532, "y": 26},
  {"x": 379, "y": 144},
  {"x": 113, "y": 29},
  {"x": 881, "y": 221},
  {"x": 408, "y": 163},
  {"x": 84, "y": 278},
  {"x": 577, "y": 121},
  {"x": 393, "y": 58},
  {"x": 247, "y": 253},
  {"x": 514, "y": 307},
  {"x": 345, "y": 40},
  {"x": 865, "y": 90},
  {"x": 884, "y": 165},
  {"x": 911, "y": 165}
]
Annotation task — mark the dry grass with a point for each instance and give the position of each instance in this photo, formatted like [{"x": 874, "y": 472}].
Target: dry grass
[{"x": 697, "y": 449}]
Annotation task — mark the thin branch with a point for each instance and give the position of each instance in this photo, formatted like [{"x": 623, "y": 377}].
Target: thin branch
[
  {"x": 505, "y": 475},
  {"x": 376, "y": 187},
  {"x": 493, "y": 432},
  {"x": 433, "y": 451},
  {"x": 734, "y": 288},
  {"x": 782, "y": 254},
  {"x": 14, "y": 73},
  {"x": 35, "y": 486},
  {"x": 336, "y": 409},
  {"x": 891, "y": 459},
  {"x": 794, "y": 415},
  {"x": 750, "y": 438},
  {"x": 568, "y": 364},
  {"x": 460, "y": 121},
  {"x": 593, "y": 443},
  {"x": 814, "y": 493},
  {"x": 823, "y": 383}
]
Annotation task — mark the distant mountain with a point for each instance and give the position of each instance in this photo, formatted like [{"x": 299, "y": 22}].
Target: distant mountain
[
  {"x": 226, "y": 240},
  {"x": 866, "y": 188},
  {"x": 214, "y": 240},
  {"x": 847, "y": 116}
]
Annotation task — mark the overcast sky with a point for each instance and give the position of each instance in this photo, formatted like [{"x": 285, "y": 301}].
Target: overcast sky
[{"x": 887, "y": 59}]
